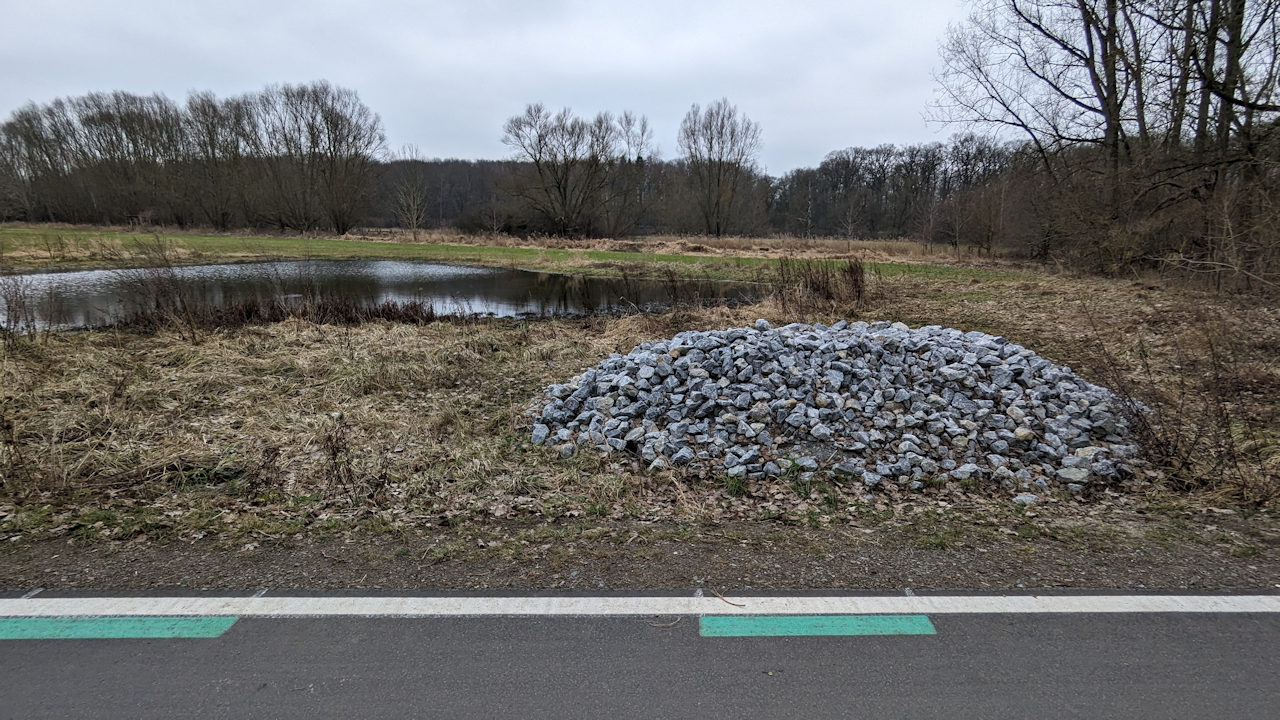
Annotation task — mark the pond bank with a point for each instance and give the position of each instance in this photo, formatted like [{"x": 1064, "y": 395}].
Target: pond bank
[
  {"x": 290, "y": 436},
  {"x": 41, "y": 248}
]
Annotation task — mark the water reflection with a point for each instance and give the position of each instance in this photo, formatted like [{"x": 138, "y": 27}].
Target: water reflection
[{"x": 99, "y": 297}]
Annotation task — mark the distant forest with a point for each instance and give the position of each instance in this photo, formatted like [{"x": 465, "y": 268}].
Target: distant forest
[
  {"x": 313, "y": 158},
  {"x": 1113, "y": 133}
]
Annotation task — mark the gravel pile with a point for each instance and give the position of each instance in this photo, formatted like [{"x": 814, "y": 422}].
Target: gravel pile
[{"x": 869, "y": 403}]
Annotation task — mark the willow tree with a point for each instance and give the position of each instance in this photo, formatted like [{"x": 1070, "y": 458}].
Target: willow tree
[
  {"x": 719, "y": 147},
  {"x": 579, "y": 176}
]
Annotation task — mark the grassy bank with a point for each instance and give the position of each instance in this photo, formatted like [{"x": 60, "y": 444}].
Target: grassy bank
[
  {"x": 27, "y": 248},
  {"x": 296, "y": 427},
  {"x": 287, "y": 443}
]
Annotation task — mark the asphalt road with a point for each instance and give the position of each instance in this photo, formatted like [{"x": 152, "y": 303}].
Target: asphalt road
[{"x": 1155, "y": 665}]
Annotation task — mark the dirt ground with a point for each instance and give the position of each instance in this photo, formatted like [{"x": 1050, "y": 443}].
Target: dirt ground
[{"x": 1202, "y": 551}]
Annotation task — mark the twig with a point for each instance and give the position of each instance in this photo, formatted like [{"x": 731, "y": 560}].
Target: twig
[
  {"x": 666, "y": 625},
  {"x": 1186, "y": 263},
  {"x": 713, "y": 592}
]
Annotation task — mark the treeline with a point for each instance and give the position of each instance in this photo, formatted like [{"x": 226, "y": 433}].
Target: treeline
[
  {"x": 936, "y": 192},
  {"x": 312, "y": 157},
  {"x": 292, "y": 157},
  {"x": 939, "y": 192}
]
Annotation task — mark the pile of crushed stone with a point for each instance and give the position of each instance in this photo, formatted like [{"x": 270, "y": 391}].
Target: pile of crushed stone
[{"x": 872, "y": 403}]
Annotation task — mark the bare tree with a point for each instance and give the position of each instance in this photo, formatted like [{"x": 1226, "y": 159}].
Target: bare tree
[
  {"x": 564, "y": 156},
  {"x": 579, "y": 176},
  {"x": 15, "y": 182},
  {"x": 319, "y": 144},
  {"x": 629, "y": 192},
  {"x": 1048, "y": 68},
  {"x": 285, "y": 139},
  {"x": 220, "y": 134},
  {"x": 1155, "y": 118},
  {"x": 49, "y": 151},
  {"x": 719, "y": 148},
  {"x": 412, "y": 197},
  {"x": 134, "y": 153},
  {"x": 352, "y": 143}
]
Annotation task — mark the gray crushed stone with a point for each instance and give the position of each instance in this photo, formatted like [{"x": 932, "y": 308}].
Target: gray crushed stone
[{"x": 872, "y": 403}]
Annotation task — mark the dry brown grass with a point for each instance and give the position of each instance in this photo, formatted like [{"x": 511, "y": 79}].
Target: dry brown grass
[
  {"x": 55, "y": 249},
  {"x": 101, "y": 409},
  {"x": 303, "y": 422},
  {"x": 782, "y": 246}
]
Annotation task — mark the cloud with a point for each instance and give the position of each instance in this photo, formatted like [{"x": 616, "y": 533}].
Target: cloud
[{"x": 817, "y": 76}]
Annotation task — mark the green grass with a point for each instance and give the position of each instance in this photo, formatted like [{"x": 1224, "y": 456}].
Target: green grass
[
  {"x": 31, "y": 248},
  {"x": 940, "y": 537}
]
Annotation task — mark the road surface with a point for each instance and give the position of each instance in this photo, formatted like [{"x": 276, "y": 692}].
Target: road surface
[{"x": 561, "y": 659}]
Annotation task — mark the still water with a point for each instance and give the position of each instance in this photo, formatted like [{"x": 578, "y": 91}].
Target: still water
[{"x": 98, "y": 297}]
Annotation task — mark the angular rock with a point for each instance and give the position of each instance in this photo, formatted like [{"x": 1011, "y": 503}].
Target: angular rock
[
  {"x": 540, "y": 434},
  {"x": 1077, "y": 475},
  {"x": 908, "y": 403},
  {"x": 683, "y": 456},
  {"x": 846, "y": 470}
]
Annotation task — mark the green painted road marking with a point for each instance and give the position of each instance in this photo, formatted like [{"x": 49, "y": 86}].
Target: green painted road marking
[
  {"x": 800, "y": 625},
  {"x": 112, "y": 628}
]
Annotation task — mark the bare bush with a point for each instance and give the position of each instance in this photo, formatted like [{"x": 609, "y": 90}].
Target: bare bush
[
  {"x": 18, "y": 312},
  {"x": 818, "y": 285}
]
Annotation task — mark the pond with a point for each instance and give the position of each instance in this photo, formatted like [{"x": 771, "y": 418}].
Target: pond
[{"x": 99, "y": 297}]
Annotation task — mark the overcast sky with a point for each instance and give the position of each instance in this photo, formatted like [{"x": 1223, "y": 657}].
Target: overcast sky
[{"x": 444, "y": 76}]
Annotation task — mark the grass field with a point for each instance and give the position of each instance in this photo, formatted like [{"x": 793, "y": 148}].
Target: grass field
[{"x": 34, "y": 248}]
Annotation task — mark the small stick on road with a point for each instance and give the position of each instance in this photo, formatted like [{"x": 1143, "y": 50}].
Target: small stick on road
[{"x": 713, "y": 592}]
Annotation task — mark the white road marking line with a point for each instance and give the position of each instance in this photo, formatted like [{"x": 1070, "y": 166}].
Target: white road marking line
[{"x": 619, "y": 606}]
